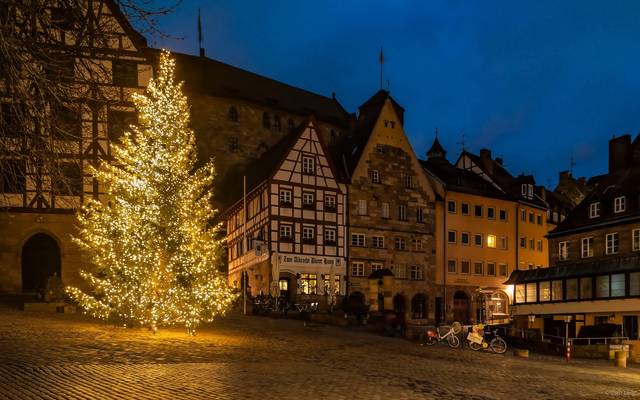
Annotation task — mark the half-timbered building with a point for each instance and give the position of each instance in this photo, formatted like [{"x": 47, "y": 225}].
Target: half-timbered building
[{"x": 286, "y": 229}]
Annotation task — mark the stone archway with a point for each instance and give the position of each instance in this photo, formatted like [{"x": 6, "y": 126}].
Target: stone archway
[
  {"x": 40, "y": 260},
  {"x": 461, "y": 307}
]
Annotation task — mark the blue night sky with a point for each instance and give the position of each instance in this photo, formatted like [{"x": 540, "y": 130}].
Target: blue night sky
[{"x": 536, "y": 82}]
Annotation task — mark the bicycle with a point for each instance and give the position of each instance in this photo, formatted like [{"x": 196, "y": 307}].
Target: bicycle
[
  {"x": 478, "y": 340},
  {"x": 433, "y": 336}
]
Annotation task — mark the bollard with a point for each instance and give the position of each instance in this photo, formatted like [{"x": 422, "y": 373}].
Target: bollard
[
  {"x": 621, "y": 359},
  {"x": 634, "y": 349},
  {"x": 522, "y": 353}
]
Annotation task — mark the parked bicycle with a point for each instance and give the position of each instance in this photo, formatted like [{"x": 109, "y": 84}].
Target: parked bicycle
[
  {"x": 480, "y": 339},
  {"x": 433, "y": 336}
]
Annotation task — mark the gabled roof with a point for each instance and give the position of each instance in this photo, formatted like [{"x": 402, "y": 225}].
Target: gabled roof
[
  {"x": 210, "y": 77},
  {"x": 436, "y": 149},
  {"x": 138, "y": 40}
]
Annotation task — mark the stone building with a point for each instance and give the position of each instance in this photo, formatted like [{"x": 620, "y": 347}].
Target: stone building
[
  {"x": 288, "y": 233},
  {"x": 37, "y": 208},
  {"x": 594, "y": 273},
  {"x": 390, "y": 214}
]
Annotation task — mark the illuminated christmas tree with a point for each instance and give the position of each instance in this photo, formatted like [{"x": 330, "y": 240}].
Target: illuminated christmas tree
[{"x": 150, "y": 239}]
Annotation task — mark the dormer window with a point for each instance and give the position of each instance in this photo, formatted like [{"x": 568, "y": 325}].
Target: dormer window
[
  {"x": 375, "y": 176},
  {"x": 527, "y": 190},
  {"x": 594, "y": 209},
  {"x": 308, "y": 165},
  {"x": 619, "y": 204}
]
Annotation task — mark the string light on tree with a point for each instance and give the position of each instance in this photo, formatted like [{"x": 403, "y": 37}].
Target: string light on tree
[{"x": 155, "y": 252}]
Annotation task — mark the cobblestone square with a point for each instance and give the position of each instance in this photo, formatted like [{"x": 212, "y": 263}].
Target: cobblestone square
[{"x": 56, "y": 356}]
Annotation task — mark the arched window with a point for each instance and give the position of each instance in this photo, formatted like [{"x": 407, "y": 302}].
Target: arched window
[
  {"x": 233, "y": 114},
  {"x": 419, "y": 306},
  {"x": 276, "y": 123},
  {"x": 266, "y": 120}
]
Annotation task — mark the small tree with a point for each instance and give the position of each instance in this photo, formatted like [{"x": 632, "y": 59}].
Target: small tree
[{"x": 151, "y": 238}]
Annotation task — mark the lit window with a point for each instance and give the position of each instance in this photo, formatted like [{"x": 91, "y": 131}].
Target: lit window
[
  {"x": 594, "y": 210},
  {"x": 357, "y": 269},
  {"x": 520, "y": 294},
  {"x": 587, "y": 247},
  {"x": 491, "y": 241},
  {"x": 619, "y": 204},
  {"x": 612, "y": 243},
  {"x": 563, "y": 251},
  {"x": 309, "y": 283},
  {"x": 357, "y": 239},
  {"x": 618, "y": 285},
  {"x": 308, "y": 165},
  {"x": 544, "y": 291}
]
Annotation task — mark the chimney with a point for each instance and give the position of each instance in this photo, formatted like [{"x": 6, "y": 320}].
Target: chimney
[
  {"x": 487, "y": 163},
  {"x": 619, "y": 153},
  {"x": 201, "y": 51}
]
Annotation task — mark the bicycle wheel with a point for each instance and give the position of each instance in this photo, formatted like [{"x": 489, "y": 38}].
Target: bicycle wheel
[
  {"x": 453, "y": 341},
  {"x": 475, "y": 346},
  {"x": 498, "y": 345},
  {"x": 457, "y": 327},
  {"x": 430, "y": 340}
]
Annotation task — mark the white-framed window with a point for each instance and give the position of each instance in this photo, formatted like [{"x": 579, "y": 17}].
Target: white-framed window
[
  {"x": 465, "y": 208},
  {"x": 307, "y": 199},
  {"x": 478, "y": 268},
  {"x": 464, "y": 267},
  {"x": 385, "y": 210},
  {"x": 452, "y": 237},
  {"x": 375, "y": 176},
  {"x": 523, "y": 189},
  {"x": 417, "y": 244},
  {"x": 451, "y": 206},
  {"x": 357, "y": 239},
  {"x": 357, "y": 269},
  {"x": 329, "y": 202},
  {"x": 420, "y": 215},
  {"x": 612, "y": 243},
  {"x": 587, "y": 247},
  {"x": 504, "y": 271},
  {"x": 451, "y": 266},
  {"x": 477, "y": 239},
  {"x": 635, "y": 240},
  {"x": 377, "y": 242},
  {"x": 594, "y": 209},
  {"x": 503, "y": 242},
  {"x": 308, "y": 233},
  {"x": 523, "y": 216},
  {"x": 285, "y": 232},
  {"x": 329, "y": 235},
  {"x": 402, "y": 213},
  {"x": 308, "y": 165},
  {"x": 362, "y": 207},
  {"x": 563, "y": 251},
  {"x": 415, "y": 272},
  {"x": 285, "y": 197},
  {"x": 408, "y": 181},
  {"x": 619, "y": 204},
  {"x": 401, "y": 244},
  {"x": 464, "y": 238},
  {"x": 491, "y": 241},
  {"x": 376, "y": 266}
]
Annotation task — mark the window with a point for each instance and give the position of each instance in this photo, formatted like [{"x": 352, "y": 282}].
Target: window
[
  {"x": 357, "y": 269},
  {"x": 308, "y": 236},
  {"x": 68, "y": 179},
  {"x": 408, "y": 181},
  {"x": 276, "y": 123},
  {"x": 556, "y": 290},
  {"x": 357, "y": 239},
  {"x": 523, "y": 242},
  {"x": 520, "y": 293},
  {"x": 307, "y": 200},
  {"x": 362, "y": 207},
  {"x": 451, "y": 237},
  {"x": 376, "y": 266},
  {"x": 124, "y": 73},
  {"x": 417, "y": 244},
  {"x": 329, "y": 203},
  {"x": 634, "y": 284},
  {"x": 491, "y": 241},
  {"x": 572, "y": 289},
  {"x": 587, "y": 247},
  {"x": 602, "y": 286},
  {"x": 523, "y": 216},
  {"x": 419, "y": 215},
  {"x": 503, "y": 269},
  {"x": 491, "y": 269},
  {"x": 503, "y": 215},
  {"x": 309, "y": 283},
  {"x": 377, "y": 242},
  {"x": 503, "y": 243},
  {"x": 13, "y": 177},
  {"x": 600, "y": 319},
  {"x": 375, "y": 176},
  {"x": 539, "y": 219},
  {"x": 283, "y": 284},
  {"x": 308, "y": 165},
  {"x": 532, "y": 293},
  {"x": 539, "y": 245},
  {"x": 477, "y": 238},
  {"x": 401, "y": 244},
  {"x": 531, "y": 218},
  {"x": 594, "y": 210},
  {"x": 532, "y": 244},
  {"x": 635, "y": 240},
  {"x": 118, "y": 123},
  {"x": 66, "y": 123},
  {"x": 544, "y": 291},
  {"x": 402, "y": 213},
  {"x": 619, "y": 204},
  {"x": 285, "y": 232},
  {"x": 266, "y": 120},
  {"x": 478, "y": 268},
  {"x": 555, "y": 216},
  {"x": 465, "y": 208},
  {"x": 585, "y": 288},
  {"x": 285, "y": 198},
  {"x": 523, "y": 189},
  {"x": 617, "y": 285},
  {"x": 612, "y": 243},
  {"x": 563, "y": 251},
  {"x": 233, "y": 114},
  {"x": 415, "y": 272},
  {"x": 385, "y": 210},
  {"x": 329, "y": 236},
  {"x": 464, "y": 267},
  {"x": 451, "y": 266},
  {"x": 491, "y": 213},
  {"x": 464, "y": 238},
  {"x": 451, "y": 206},
  {"x": 478, "y": 211}
]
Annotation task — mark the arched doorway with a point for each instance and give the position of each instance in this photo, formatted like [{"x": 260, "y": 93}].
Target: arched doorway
[
  {"x": 398, "y": 304},
  {"x": 461, "y": 307},
  {"x": 40, "y": 260},
  {"x": 419, "y": 306}
]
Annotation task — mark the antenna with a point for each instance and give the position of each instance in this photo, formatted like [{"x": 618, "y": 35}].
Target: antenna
[{"x": 200, "y": 34}]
